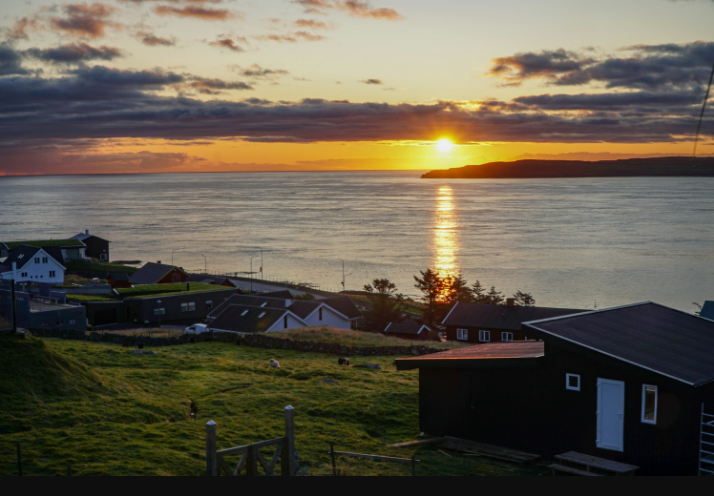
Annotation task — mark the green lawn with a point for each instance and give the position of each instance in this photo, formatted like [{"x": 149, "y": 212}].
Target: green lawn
[{"x": 108, "y": 412}]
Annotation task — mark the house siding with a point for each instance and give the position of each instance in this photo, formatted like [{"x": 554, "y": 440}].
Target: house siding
[
  {"x": 173, "y": 277},
  {"x": 474, "y": 334},
  {"x": 96, "y": 247},
  {"x": 329, "y": 318},
  {"x": 141, "y": 311},
  {"x": 293, "y": 323},
  {"x": 38, "y": 272}
]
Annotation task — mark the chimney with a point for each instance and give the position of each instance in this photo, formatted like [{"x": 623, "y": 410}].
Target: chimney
[
  {"x": 159, "y": 262},
  {"x": 86, "y": 232},
  {"x": 14, "y": 271},
  {"x": 511, "y": 302}
]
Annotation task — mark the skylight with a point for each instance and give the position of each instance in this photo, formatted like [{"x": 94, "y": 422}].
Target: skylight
[
  {"x": 264, "y": 305},
  {"x": 262, "y": 315},
  {"x": 245, "y": 312}
]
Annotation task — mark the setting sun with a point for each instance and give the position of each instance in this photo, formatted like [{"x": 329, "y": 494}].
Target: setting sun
[{"x": 445, "y": 145}]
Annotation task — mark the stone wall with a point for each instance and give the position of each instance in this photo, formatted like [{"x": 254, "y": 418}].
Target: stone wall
[{"x": 252, "y": 340}]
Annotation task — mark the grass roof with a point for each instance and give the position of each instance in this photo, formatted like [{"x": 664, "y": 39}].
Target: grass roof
[
  {"x": 89, "y": 298},
  {"x": 45, "y": 243}
]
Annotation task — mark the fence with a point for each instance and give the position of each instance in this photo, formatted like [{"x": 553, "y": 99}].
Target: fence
[{"x": 706, "y": 445}]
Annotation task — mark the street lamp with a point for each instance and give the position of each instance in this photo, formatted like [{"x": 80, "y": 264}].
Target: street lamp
[
  {"x": 251, "y": 274},
  {"x": 106, "y": 260},
  {"x": 205, "y": 261},
  {"x": 159, "y": 308}
]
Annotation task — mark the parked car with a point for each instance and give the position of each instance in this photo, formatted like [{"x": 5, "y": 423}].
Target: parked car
[{"x": 197, "y": 329}]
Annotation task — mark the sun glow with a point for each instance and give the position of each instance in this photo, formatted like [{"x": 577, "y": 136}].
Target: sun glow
[
  {"x": 445, "y": 227},
  {"x": 444, "y": 145}
]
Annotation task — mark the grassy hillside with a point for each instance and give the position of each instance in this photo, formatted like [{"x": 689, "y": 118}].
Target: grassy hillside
[
  {"x": 356, "y": 338},
  {"x": 108, "y": 412}
]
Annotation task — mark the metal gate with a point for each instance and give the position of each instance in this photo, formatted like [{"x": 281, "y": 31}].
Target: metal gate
[{"x": 706, "y": 446}]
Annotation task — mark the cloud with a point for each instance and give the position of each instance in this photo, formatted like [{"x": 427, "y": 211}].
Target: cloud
[
  {"x": 355, "y": 8},
  {"x": 75, "y": 53},
  {"x": 257, "y": 72},
  {"x": 229, "y": 44},
  {"x": 646, "y": 67},
  {"x": 10, "y": 61},
  {"x": 152, "y": 40},
  {"x": 84, "y": 20},
  {"x": 217, "y": 86},
  {"x": 376, "y": 82},
  {"x": 311, "y": 24},
  {"x": 197, "y": 12},
  {"x": 292, "y": 37},
  {"x": 19, "y": 30}
]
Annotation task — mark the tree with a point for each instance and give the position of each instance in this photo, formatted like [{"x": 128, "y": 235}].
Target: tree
[
  {"x": 434, "y": 289},
  {"x": 478, "y": 293},
  {"x": 386, "y": 305},
  {"x": 524, "y": 299},
  {"x": 700, "y": 307},
  {"x": 495, "y": 297},
  {"x": 457, "y": 290}
]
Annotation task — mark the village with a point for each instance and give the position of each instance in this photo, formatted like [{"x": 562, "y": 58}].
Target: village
[{"x": 616, "y": 391}]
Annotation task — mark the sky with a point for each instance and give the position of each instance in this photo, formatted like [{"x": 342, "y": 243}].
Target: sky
[{"x": 142, "y": 86}]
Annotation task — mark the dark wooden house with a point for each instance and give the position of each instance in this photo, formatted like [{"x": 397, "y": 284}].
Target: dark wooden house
[
  {"x": 409, "y": 329},
  {"x": 96, "y": 247},
  {"x": 627, "y": 384},
  {"x": 119, "y": 280},
  {"x": 158, "y": 273},
  {"x": 477, "y": 323}
]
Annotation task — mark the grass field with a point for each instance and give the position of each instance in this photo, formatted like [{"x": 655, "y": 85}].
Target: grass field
[
  {"x": 108, "y": 412},
  {"x": 356, "y": 338}
]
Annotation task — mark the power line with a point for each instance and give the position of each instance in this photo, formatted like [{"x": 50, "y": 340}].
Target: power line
[{"x": 704, "y": 107}]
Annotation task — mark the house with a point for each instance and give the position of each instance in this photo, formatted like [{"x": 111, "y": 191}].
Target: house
[
  {"x": 96, "y": 247},
  {"x": 253, "y": 320},
  {"x": 33, "y": 264},
  {"x": 189, "y": 307},
  {"x": 158, "y": 273},
  {"x": 408, "y": 329},
  {"x": 119, "y": 280},
  {"x": 215, "y": 280},
  {"x": 477, "y": 323},
  {"x": 708, "y": 310},
  {"x": 627, "y": 384},
  {"x": 335, "y": 312},
  {"x": 72, "y": 249},
  {"x": 36, "y": 312}
]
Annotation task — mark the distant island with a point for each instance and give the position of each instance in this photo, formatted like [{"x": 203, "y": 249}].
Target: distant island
[{"x": 545, "y": 169}]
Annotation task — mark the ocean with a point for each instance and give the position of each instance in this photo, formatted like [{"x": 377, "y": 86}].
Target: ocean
[{"x": 579, "y": 243}]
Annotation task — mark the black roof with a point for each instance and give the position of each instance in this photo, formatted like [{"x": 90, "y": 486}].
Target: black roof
[
  {"x": 206, "y": 279},
  {"x": 507, "y": 318},
  {"x": 304, "y": 309},
  {"x": 411, "y": 327},
  {"x": 246, "y": 319},
  {"x": 24, "y": 253},
  {"x": 120, "y": 277},
  {"x": 650, "y": 336},
  {"x": 708, "y": 310},
  {"x": 151, "y": 273},
  {"x": 250, "y": 301},
  {"x": 345, "y": 306},
  {"x": 285, "y": 294},
  {"x": 518, "y": 354}
]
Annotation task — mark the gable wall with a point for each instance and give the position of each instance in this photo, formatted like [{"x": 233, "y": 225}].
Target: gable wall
[
  {"x": 39, "y": 272},
  {"x": 329, "y": 318},
  {"x": 293, "y": 323},
  {"x": 169, "y": 278}
]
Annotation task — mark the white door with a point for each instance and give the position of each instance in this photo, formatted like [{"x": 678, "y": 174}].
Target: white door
[{"x": 611, "y": 415}]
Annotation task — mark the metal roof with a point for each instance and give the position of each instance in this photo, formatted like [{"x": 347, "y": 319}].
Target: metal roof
[
  {"x": 120, "y": 277},
  {"x": 345, "y": 306},
  {"x": 247, "y": 319},
  {"x": 23, "y": 254},
  {"x": 84, "y": 236},
  {"x": 151, "y": 273},
  {"x": 250, "y": 301},
  {"x": 522, "y": 353},
  {"x": 507, "y": 318},
  {"x": 650, "y": 336},
  {"x": 708, "y": 310}
]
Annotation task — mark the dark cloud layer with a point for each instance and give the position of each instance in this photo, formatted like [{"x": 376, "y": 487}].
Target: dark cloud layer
[
  {"x": 10, "y": 61},
  {"x": 74, "y": 54},
  {"x": 646, "y": 67}
]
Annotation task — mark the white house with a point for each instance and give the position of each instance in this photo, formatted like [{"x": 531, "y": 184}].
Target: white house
[{"x": 33, "y": 264}]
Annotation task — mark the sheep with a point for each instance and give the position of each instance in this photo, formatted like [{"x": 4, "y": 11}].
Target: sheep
[
  {"x": 274, "y": 364},
  {"x": 344, "y": 361}
]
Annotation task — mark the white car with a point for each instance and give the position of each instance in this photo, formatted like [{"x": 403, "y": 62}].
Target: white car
[{"x": 197, "y": 329}]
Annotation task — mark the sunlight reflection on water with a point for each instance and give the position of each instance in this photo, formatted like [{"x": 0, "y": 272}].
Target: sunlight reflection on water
[{"x": 446, "y": 243}]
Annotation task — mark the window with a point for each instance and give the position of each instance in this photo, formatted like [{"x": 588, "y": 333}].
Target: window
[
  {"x": 53, "y": 273},
  {"x": 484, "y": 336},
  {"x": 285, "y": 322},
  {"x": 192, "y": 306},
  {"x": 24, "y": 274},
  {"x": 37, "y": 260},
  {"x": 506, "y": 337},
  {"x": 649, "y": 405},
  {"x": 572, "y": 382},
  {"x": 45, "y": 260},
  {"x": 321, "y": 315},
  {"x": 184, "y": 307},
  {"x": 245, "y": 312},
  {"x": 160, "y": 311},
  {"x": 462, "y": 334},
  {"x": 209, "y": 305}
]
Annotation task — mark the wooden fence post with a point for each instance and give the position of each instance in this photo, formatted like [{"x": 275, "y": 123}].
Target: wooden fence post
[
  {"x": 334, "y": 459},
  {"x": 19, "y": 460},
  {"x": 251, "y": 462},
  {"x": 289, "y": 464},
  {"x": 211, "y": 456},
  {"x": 414, "y": 465}
]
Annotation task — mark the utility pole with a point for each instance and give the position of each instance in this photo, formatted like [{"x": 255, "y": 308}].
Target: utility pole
[
  {"x": 344, "y": 277},
  {"x": 251, "y": 275},
  {"x": 261, "y": 265},
  {"x": 14, "y": 314},
  {"x": 205, "y": 261}
]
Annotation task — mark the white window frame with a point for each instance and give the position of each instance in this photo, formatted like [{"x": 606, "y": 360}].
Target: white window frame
[
  {"x": 483, "y": 335},
  {"x": 192, "y": 306},
  {"x": 53, "y": 273},
  {"x": 567, "y": 382},
  {"x": 160, "y": 311},
  {"x": 508, "y": 336},
  {"x": 184, "y": 307},
  {"x": 209, "y": 305},
  {"x": 644, "y": 404},
  {"x": 462, "y": 334}
]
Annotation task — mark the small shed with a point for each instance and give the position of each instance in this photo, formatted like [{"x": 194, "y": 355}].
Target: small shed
[
  {"x": 409, "y": 329},
  {"x": 478, "y": 323},
  {"x": 627, "y": 384},
  {"x": 96, "y": 247},
  {"x": 119, "y": 280},
  {"x": 158, "y": 273}
]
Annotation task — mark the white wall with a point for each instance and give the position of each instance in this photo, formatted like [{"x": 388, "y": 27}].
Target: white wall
[
  {"x": 329, "y": 318},
  {"x": 293, "y": 323},
  {"x": 39, "y": 272}
]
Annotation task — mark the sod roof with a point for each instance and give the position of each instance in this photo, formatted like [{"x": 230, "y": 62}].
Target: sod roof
[{"x": 45, "y": 243}]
